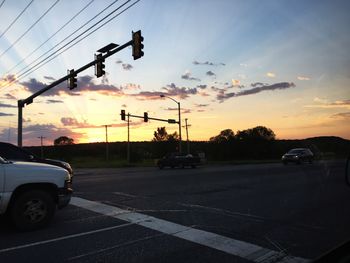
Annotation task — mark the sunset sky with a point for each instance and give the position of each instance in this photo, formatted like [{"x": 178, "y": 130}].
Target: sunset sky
[{"x": 231, "y": 64}]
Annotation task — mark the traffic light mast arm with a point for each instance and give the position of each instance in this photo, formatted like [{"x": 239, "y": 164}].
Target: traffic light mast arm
[
  {"x": 155, "y": 119},
  {"x": 76, "y": 72}
]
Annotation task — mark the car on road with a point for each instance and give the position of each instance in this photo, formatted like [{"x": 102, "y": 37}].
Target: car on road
[
  {"x": 30, "y": 192},
  {"x": 298, "y": 156},
  {"x": 14, "y": 153},
  {"x": 178, "y": 160}
]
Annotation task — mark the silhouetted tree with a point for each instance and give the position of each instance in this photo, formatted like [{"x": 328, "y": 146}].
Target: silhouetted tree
[
  {"x": 63, "y": 140},
  {"x": 256, "y": 133},
  {"x": 173, "y": 137},
  {"x": 224, "y": 136},
  {"x": 161, "y": 135}
]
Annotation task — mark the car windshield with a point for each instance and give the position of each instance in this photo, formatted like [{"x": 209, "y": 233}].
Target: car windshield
[
  {"x": 296, "y": 151},
  {"x": 196, "y": 131}
]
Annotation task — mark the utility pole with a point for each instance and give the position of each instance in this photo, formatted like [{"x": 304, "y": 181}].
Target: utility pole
[
  {"x": 107, "y": 151},
  {"x": 128, "y": 146},
  {"x": 188, "y": 142},
  {"x": 41, "y": 145}
]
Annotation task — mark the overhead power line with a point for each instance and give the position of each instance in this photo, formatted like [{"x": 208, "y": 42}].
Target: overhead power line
[
  {"x": 2, "y": 3},
  {"x": 14, "y": 21},
  {"x": 54, "y": 34},
  {"x": 45, "y": 61},
  {"x": 37, "y": 66},
  {"x": 30, "y": 28},
  {"x": 48, "y": 51}
]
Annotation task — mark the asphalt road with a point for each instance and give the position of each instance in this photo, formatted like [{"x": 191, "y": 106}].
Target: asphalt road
[{"x": 245, "y": 213}]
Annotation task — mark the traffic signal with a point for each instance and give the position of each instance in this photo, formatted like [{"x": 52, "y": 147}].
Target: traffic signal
[
  {"x": 122, "y": 114},
  {"x": 145, "y": 117},
  {"x": 137, "y": 45},
  {"x": 72, "y": 80},
  {"x": 99, "y": 66}
]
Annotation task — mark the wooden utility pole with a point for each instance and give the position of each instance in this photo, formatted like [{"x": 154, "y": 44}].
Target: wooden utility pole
[{"x": 41, "y": 146}]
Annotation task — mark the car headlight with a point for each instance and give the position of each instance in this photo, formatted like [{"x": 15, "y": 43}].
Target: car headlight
[{"x": 296, "y": 157}]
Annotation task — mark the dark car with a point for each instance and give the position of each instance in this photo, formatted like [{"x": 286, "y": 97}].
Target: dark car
[
  {"x": 14, "y": 153},
  {"x": 178, "y": 160},
  {"x": 298, "y": 155}
]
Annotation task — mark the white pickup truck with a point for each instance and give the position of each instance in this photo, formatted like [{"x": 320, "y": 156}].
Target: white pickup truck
[{"x": 30, "y": 192}]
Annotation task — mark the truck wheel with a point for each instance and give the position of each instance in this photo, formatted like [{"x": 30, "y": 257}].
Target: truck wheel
[{"x": 32, "y": 209}]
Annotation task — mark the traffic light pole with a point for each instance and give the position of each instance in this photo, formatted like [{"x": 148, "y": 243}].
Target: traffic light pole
[
  {"x": 128, "y": 150},
  {"x": 123, "y": 115},
  {"x": 29, "y": 100}
]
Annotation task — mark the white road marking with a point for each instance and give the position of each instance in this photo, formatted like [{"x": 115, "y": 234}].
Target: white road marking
[
  {"x": 63, "y": 238},
  {"x": 231, "y": 246}
]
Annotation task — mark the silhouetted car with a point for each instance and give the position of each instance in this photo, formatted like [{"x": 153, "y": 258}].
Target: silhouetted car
[
  {"x": 298, "y": 156},
  {"x": 13, "y": 153},
  {"x": 179, "y": 160}
]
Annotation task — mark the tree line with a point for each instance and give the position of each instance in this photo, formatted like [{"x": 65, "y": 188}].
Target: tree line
[{"x": 254, "y": 143}]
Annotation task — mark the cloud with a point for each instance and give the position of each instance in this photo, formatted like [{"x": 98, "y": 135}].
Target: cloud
[
  {"x": 257, "y": 84},
  {"x": 9, "y": 96},
  {"x": 31, "y": 132},
  {"x": 203, "y": 94},
  {"x": 243, "y": 65},
  {"x": 188, "y": 76},
  {"x": 67, "y": 121},
  {"x": 270, "y": 74},
  {"x": 210, "y": 73},
  {"x": 33, "y": 86},
  {"x": 324, "y": 103},
  {"x": 85, "y": 84},
  {"x": 72, "y": 122},
  {"x": 131, "y": 86},
  {"x": 170, "y": 90},
  {"x": 222, "y": 95},
  {"x": 54, "y": 101},
  {"x": 183, "y": 92},
  {"x": 148, "y": 95},
  {"x": 172, "y": 109},
  {"x": 7, "y": 79},
  {"x": 342, "y": 115},
  {"x": 127, "y": 67},
  {"x": 208, "y": 63},
  {"x": 236, "y": 83},
  {"x": 5, "y": 105},
  {"x": 341, "y": 103},
  {"x": 3, "y": 114},
  {"x": 201, "y": 105},
  {"x": 303, "y": 78},
  {"x": 203, "y": 86},
  {"x": 49, "y": 78}
]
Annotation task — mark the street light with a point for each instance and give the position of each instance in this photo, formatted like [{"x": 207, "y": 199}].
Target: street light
[{"x": 179, "y": 109}]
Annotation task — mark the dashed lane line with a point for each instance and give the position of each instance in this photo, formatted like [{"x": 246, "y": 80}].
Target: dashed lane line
[{"x": 231, "y": 246}]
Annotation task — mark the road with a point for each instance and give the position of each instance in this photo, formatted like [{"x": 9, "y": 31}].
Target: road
[{"x": 246, "y": 213}]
